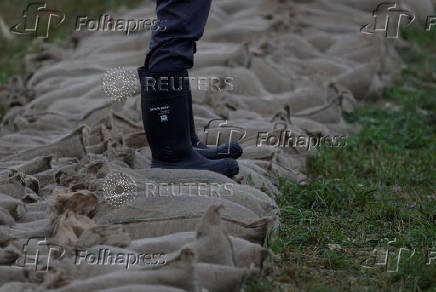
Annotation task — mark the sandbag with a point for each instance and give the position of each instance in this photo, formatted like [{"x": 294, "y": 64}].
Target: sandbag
[{"x": 179, "y": 273}]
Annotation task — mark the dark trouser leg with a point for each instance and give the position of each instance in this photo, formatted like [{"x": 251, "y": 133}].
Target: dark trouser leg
[{"x": 173, "y": 48}]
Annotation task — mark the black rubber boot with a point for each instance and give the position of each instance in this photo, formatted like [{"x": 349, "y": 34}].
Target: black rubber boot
[
  {"x": 166, "y": 122},
  {"x": 227, "y": 150}
]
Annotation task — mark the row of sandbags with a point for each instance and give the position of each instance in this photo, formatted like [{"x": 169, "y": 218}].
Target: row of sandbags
[{"x": 296, "y": 66}]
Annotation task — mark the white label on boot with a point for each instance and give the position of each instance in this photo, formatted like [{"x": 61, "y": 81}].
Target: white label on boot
[
  {"x": 162, "y": 112},
  {"x": 164, "y": 118}
]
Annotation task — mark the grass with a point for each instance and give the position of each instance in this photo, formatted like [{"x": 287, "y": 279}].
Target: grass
[
  {"x": 334, "y": 228},
  {"x": 12, "y": 52},
  {"x": 382, "y": 187}
]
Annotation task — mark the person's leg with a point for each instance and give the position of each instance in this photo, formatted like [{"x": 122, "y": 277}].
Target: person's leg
[
  {"x": 165, "y": 116},
  {"x": 166, "y": 98},
  {"x": 173, "y": 49}
]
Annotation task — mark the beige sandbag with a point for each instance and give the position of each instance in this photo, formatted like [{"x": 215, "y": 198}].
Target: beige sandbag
[
  {"x": 70, "y": 145},
  {"x": 33, "y": 216},
  {"x": 255, "y": 176},
  {"x": 320, "y": 67},
  {"x": 112, "y": 235},
  {"x": 9, "y": 255},
  {"x": 179, "y": 273},
  {"x": 18, "y": 287},
  {"x": 274, "y": 78},
  {"x": 84, "y": 264},
  {"x": 14, "y": 207},
  {"x": 218, "y": 278},
  {"x": 65, "y": 215},
  {"x": 240, "y": 30},
  {"x": 160, "y": 201},
  {"x": 11, "y": 273},
  {"x": 220, "y": 54},
  {"x": 68, "y": 227},
  {"x": 5, "y": 217},
  {"x": 140, "y": 228},
  {"x": 81, "y": 202},
  {"x": 247, "y": 253},
  {"x": 143, "y": 288},
  {"x": 358, "y": 80},
  {"x": 210, "y": 233},
  {"x": 13, "y": 186},
  {"x": 36, "y": 165},
  {"x": 322, "y": 41},
  {"x": 38, "y": 228},
  {"x": 74, "y": 69},
  {"x": 5, "y": 237},
  {"x": 164, "y": 244}
]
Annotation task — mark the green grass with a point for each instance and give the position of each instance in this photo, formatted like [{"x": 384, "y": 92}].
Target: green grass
[
  {"x": 382, "y": 185},
  {"x": 12, "y": 52}
]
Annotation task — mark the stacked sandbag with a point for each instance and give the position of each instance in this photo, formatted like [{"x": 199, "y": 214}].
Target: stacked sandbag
[
  {"x": 179, "y": 262},
  {"x": 293, "y": 68}
]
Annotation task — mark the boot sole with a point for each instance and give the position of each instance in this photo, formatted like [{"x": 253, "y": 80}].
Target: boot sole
[{"x": 230, "y": 169}]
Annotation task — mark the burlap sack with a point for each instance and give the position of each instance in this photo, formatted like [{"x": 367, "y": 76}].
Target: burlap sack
[
  {"x": 10, "y": 273},
  {"x": 179, "y": 273},
  {"x": 211, "y": 232},
  {"x": 218, "y": 278},
  {"x": 143, "y": 288}
]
